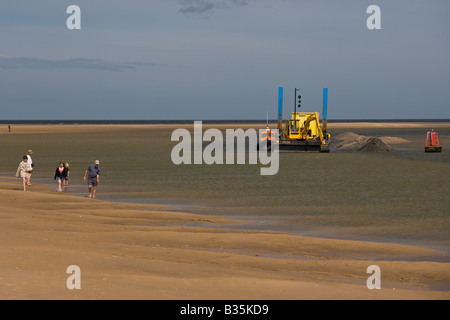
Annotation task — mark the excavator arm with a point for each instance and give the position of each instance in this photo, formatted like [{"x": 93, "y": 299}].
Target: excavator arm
[{"x": 307, "y": 125}]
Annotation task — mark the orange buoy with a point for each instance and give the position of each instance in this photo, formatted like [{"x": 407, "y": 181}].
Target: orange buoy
[
  {"x": 266, "y": 138},
  {"x": 432, "y": 143}
]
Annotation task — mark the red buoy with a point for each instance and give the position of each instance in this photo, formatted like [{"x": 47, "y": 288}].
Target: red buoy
[{"x": 432, "y": 144}]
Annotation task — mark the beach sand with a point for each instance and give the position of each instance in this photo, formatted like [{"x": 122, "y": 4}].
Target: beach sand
[
  {"x": 135, "y": 251},
  {"x": 65, "y": 128}
]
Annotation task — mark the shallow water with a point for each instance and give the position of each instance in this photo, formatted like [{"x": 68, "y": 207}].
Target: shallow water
[{"x": 399, "y": 197}]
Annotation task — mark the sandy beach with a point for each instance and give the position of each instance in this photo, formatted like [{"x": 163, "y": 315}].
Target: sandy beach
[
  {"x": 64, "y": 128},
  {"x": 132, "y": 251},
  {"x": 140, "y": 251}
]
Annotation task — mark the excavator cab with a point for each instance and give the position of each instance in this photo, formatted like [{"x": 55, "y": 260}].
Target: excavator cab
[
  {"x": 294, "y": 128},
  {"x": 303, "y": 126}
]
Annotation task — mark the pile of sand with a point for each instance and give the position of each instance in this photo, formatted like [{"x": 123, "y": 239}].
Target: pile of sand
[
  {"x": 393, "y": 140},
  {"x": 375, "y": 145},
  {"x": 356, "y": 142},
  {"x": 347, "y": 136},
  {"x": 350, "y": 141}
]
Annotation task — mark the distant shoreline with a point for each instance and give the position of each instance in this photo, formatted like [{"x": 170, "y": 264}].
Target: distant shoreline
[
  {"x": 330, "y": 121},
  {"x": 31, "y": 128}
]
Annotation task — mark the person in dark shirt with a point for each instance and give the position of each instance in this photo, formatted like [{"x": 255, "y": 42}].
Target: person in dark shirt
[
  {"x": 92, "y": 175},
  {"x": 66, "y": 178},
  {"x": 60, "y": 174}
]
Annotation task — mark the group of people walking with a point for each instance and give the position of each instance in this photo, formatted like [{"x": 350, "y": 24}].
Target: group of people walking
[{"x": 62, "y": 173}]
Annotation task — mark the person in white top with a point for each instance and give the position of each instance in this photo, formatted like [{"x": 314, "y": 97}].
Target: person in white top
[{"x": 29, "y": 166}]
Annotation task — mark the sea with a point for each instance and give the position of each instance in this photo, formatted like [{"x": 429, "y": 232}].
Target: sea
[{"x": 395, "y": 197}]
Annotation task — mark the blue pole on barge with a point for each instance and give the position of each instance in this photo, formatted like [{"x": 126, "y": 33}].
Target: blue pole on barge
[
  {"x": 280, "y": 108},
  {"x": 325, "y": 107}
]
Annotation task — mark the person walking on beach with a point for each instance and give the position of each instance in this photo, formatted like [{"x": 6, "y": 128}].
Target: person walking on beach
[
  {"x": 22, "y": 171},
  {"x": 93, "y": 175},
  {"x": 60, "y": 175},
  {"x": 30, "y": 166},
  {"x": 66, "y": 178}
]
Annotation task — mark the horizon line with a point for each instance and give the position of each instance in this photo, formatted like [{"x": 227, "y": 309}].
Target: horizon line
[{"x": 74, "y": 121}]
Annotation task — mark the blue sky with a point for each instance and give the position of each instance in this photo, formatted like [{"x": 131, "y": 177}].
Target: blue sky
[{"x": 223, "y": 59}]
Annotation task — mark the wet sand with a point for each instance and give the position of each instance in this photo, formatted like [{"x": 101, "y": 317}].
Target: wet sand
[{"x": 133, "y": 251}]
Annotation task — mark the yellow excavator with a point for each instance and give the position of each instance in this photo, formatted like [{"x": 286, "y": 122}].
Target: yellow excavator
[{"x": 303, "y": 132}]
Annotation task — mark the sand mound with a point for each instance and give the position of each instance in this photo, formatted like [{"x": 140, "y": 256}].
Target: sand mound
[
  {"x": 353, "y": 143},
  {"x": 346, "y": 136},
  {"x": 375, "y": 145},
  {"x": 356, "y": 142},
  {"x": 393, "y": 140},
  {"x": 350, "y": 141}
]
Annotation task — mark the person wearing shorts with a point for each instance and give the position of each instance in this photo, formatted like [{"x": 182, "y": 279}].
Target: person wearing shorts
[
  {"x": 92, "y": 175},
  {"x": 66, "y": 178},
  {"x": 60, "y": 174}
]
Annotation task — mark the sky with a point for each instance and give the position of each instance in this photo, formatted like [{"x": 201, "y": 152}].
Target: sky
[{"x": 223, "y": 59}]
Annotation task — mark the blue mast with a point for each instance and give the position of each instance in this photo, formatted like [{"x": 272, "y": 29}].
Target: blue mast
[
  {"x": 280, "y": 108},
  {"x": 325, "y": 107}
]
